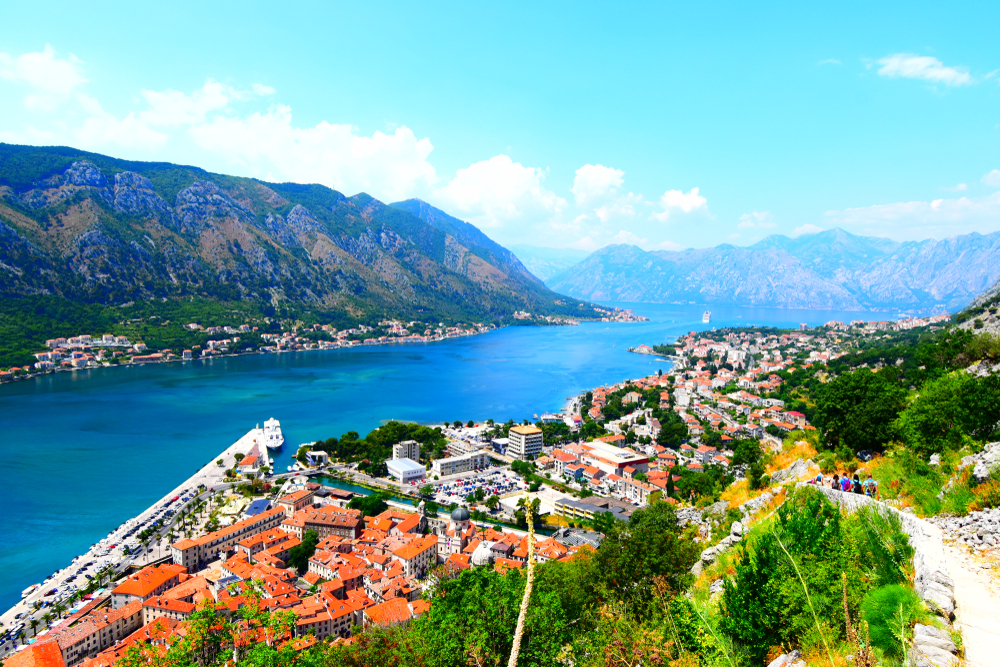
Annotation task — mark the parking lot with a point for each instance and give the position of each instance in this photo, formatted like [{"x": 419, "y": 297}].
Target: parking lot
[{"x": 493, "y": 482}]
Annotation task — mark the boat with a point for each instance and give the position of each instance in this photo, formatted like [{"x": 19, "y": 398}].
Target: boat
[
  {"x": 273, "y": 437},
  {"x": 29, "y": 590},
  {"x": 706, "y": 317}
]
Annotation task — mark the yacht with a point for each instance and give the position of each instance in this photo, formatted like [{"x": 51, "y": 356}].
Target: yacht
[
  {"x": 706, "y": 317},
  {"x": 273, "y": 437}
]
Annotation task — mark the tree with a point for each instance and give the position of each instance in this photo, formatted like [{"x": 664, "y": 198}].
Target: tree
[
  {"x": 857, "y": 411},
  {"x": 372, "y": 505},
  {"x": 470, "y": 424},
  {"x": 299, "y": 555},
  {"x": 426, "y": 490},
  {"x": 650, "y": 545},
  {"x": 950, "y": 409},
  {"x": 603, "y": 522},
  {"x": 493, "y": 502},
  {"x": 239, "y": 456}
]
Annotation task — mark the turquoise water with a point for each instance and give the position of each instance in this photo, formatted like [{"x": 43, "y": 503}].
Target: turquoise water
[{"x": 82, "y": 452}]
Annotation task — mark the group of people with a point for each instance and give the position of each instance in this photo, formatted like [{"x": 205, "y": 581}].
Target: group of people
[{"x": 868, "y": 487}]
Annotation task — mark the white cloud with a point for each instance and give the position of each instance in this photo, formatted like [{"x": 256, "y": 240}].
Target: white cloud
[
  {"x": 992, "y": 178},
  {"x": 596, "y": 183},
  {"x": 829, "y": 61},
  {"x": 171, "y": 107},
  {"x": 757, "y": 220},
  {"x": 619, "y": 208},
  {"x": 630, "y": 238},
  {"x": 102, "y": 129},
  {"x": 386, "y": 166},
  {"x": 677, "y": 201},
  {"x": 52, "y": 79},
  {"x": 807, "y": 228},
  {"x": 670, "y": 245},
  {"x": 262, "y": 90},
  {"x": 501, "y": 194},
  {"x": 917, "y": 220},
  {"x": 961, "y": 187},
  {"x": 911, "y": 66}
]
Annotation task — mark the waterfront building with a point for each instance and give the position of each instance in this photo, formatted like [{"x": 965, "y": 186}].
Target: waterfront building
[
  {"x": 146, "y": 583},
  {"x": 194, "y": 553},
  {"x": 405, "y": 470},
  {"x": 454, "y": 465},
  {"x": 408, "y": 449},
  {"x": 525, "y": 442},
  {"x": 97, "y": 631}
]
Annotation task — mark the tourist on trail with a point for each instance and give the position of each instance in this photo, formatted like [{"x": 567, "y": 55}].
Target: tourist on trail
[
  {"x": 871, "y": 487},
  {"x": 836, "y": 482},
  {"x": 845, "y": 484},
  {"x": 857, "y": 484}
]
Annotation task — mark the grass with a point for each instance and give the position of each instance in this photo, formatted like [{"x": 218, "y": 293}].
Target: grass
[
  {"x": 905, "y": 478},
  {"x": 795, "y": 447}
]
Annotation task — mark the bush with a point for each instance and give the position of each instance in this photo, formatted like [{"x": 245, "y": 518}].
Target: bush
[
  {"x": 986, "y": 496},
  {"x": 890, "y": 612}
]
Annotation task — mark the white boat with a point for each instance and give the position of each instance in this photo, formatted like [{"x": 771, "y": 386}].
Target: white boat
[
  {"x": 706, "y": 317},
  {"x": 273, "y": 437},
  {"x": 29, "y": 590}
]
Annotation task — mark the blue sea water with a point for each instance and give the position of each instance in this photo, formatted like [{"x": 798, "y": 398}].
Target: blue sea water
[{"x": 84, "y": 451}]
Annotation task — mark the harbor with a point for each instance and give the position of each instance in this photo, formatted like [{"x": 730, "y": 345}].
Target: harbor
[{"x": 121, "y": 549}]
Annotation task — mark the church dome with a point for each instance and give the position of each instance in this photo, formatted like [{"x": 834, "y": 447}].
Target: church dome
[{"x": 460, "y": 514}]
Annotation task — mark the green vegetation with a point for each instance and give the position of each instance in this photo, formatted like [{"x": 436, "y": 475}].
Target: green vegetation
[
  {"x": 371, "y": 451},
  {"x": 372, "y": 505},
  {"x": 299, "y": 555}
]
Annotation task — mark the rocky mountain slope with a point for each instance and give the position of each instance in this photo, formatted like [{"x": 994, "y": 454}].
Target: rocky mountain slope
[
  {"x": 829, "y": 270},
  {"x": 98, "y": 229}
]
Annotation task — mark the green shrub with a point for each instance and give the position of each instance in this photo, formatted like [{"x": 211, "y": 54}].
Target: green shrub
[{"x": 890, "y": 612}]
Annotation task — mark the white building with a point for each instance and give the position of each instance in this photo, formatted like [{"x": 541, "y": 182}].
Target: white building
[
  {"x": 454, "y": 465},
  {"x": 405, "y": 470},
  {"x": 525, "y": 442},
  {"x": 408, "y": 449}
]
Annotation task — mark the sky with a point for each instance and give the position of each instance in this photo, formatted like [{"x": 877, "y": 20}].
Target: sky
[{"x": 664, "y": 125}]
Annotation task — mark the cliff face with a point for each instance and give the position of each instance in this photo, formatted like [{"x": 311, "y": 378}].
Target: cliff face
[
  {"x": 829, "y": 270},
  {"x": 97, "y": 229}
]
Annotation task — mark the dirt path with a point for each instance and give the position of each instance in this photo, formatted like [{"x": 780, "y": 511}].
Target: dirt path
[{"x": 977, "y": 613}]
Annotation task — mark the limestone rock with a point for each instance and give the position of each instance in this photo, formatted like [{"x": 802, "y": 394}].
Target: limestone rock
[
  {"x": 736, "y": 529},
  {"x": 928, "y": 635},
  {"x": 930, "y": 656},
  {"x": 787, "y": 660},
  {"x": 716, "y": 587}
]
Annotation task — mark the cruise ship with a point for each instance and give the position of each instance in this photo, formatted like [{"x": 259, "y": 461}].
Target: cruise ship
[
  {"x": 273, "y": 437},
  {"x": 706, "y": 317}
]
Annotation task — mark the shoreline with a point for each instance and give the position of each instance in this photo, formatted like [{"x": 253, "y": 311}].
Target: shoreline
[
  {"x": 109, "y": 550},
  {"x": 270, "y": 350}
]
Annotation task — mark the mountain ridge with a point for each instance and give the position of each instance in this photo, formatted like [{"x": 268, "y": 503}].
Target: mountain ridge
[
  {"x": 833, "y": 269},
  {"x": 95, "y": 228}
]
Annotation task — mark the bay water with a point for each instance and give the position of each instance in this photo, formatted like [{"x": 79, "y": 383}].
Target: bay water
[{"x": 83, "y": 452}]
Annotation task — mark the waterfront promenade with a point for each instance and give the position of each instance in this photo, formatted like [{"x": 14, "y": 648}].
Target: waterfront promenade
[{"x": 109, "y": 553}]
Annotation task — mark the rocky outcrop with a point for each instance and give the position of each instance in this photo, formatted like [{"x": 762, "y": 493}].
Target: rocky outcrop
[
  {"x": 977, "y": 530},
  {"x": 80, "y": 176},
  {"x": 134, "y": 195},
  {"x": 793, "y": 472},
  {"x": 932, "y": 647},
  {"x": 793, "y": 659},
  {"x": 197, "y": 206}
]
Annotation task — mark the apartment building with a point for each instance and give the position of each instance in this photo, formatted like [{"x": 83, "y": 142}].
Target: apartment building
[
  {"x": 408, "y": 449},
  {"x": 454, "y": 465},
  {"x": 195, "y": 553},
  {"x": 525, "y": 442}
]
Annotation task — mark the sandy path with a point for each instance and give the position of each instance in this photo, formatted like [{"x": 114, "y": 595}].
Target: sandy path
[{"x": 977, "y": 613}]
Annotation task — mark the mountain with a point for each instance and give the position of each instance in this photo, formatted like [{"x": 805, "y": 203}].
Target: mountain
[
  {"x": 546, "y": 263},
  {"x": 829, "y": 270},
  {"x": 97, "y": 229}
]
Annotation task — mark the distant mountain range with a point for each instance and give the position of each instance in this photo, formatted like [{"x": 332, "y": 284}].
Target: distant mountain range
[
  {"x": 97, "y": 229},
  {"x": 547, "y": 263},
  {"x": 829, "y": 270}
]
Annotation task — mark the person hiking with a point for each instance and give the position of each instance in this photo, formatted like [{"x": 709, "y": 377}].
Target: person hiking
[
  {"x": 871, "y": 487},
  {"x": 836, "y": 482},
  {"x": 857, "y": 484},
  {"x": 845, "y": 484}
]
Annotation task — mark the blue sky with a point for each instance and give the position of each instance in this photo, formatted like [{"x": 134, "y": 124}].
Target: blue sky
[{"x": 565, "y": 125}]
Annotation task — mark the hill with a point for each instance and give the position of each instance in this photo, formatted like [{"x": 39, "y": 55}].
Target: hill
[
  {"x": 829, "y": 270},
  {"x": 95, "y": 229}
]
